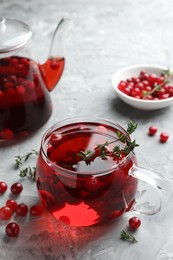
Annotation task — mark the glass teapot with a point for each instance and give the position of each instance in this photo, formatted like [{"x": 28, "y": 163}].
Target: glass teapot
[{"x": 25, "y": 103}]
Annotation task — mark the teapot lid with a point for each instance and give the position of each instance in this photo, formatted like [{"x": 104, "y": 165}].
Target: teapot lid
[{"x": 13, "y": 34}]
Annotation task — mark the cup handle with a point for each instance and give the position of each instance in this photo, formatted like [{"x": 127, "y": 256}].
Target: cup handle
[{"x": 148, "y": 199}]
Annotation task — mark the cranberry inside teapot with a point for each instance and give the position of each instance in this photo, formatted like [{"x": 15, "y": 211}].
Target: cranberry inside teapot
[{"x": 25, "y": 103}]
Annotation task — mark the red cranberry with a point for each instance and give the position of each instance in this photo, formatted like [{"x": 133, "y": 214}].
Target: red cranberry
[
  {"x": 12, "y": 78},
  {"x": 152, "y": 79},
  {"x": 12, "y": 229},
  {"x": 16, "y": 188},
  {"x": 29, "y": 84},
  {"x": 139, "y": 85},
  {"x": 14, "y": 61},
  {"x": 54, "y": 64},
  {"x": 6, "y": 213},
  {"x": 21, "y": 210},
  {"x": 55, "y": 138},
  {"x": 147, "y": 88},
  {"x": 149, "y": 97},
  {"x": 10, "y": 93},
  {"x": 11, "y": 204},
  {"x": 137, "y": 97},
  {"x": 36, "y": 210},
  {"x": 136, "y": 92},
  {"x": 164, "y": 137},
  {"x": 145, "y": 83},
  {"x": 65, "y": 219},
  {"x": 3, "y": 187},
  {"x": 6, "y": 134},
  {"x": 93, "y": 184},
  {"x": 143, "y": 75},
  {"x": 20, "y": 80},
  {"x": 164, "y": 96},
  {"x": 134, "y": 223},
  {"x": 1, "y": 94},
  {"x": 24, "y": 61},
  {"x": 20, "y": 66},
  {"x": 127, "y": 91},
  {"x": 9, "y": 84},
  {"x": 152, "y": 130},
  {"x": 20, "y": 90}
]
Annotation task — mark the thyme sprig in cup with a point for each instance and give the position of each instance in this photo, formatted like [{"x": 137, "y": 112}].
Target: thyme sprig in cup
[
  {"x": 102, "y": 151},
  {"x": 87, "y": 174}
]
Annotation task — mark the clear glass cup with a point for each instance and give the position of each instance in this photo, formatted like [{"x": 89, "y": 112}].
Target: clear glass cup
[{"x": 84, "y": 193}]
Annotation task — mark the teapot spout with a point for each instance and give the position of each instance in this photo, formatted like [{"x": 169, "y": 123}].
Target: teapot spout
[{"x": 53, "y": 68}]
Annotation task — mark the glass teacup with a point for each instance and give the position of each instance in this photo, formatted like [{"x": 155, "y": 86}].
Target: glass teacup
[{"x": 81, "y": 183}]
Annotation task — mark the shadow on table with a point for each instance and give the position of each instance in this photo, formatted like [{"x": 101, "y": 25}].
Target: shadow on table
[
  {"x": 47, "y": 238},
  {"x": 126, "y": 110}
]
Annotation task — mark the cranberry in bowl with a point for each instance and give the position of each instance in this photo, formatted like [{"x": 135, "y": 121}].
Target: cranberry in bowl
[{"x": 146, "y": 87}]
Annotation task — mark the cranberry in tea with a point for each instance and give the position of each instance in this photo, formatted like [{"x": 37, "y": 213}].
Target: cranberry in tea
[{"x": 81, "y": 183}]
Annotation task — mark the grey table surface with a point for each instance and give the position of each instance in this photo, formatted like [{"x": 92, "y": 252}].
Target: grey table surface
[{"x": 104, "y": 37}]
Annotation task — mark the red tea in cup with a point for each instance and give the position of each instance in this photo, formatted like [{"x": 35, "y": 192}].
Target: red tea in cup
[
  {"x": 80, "y": 193},
  {"x": 86, "y": 173}
]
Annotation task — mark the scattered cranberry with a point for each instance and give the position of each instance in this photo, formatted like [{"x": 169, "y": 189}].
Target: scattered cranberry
[
  {"x": 163, "y": 137},
  {"x": 12, "y": 229},
  {"x": 134, "y": 223},
  {"x": 36, "y": 210},
  {"x": 152, "y": 130},
  {"x": 5, "y": 213},
  {"x": 21, "y": 210},
  {"x": 16, "y": 188},
  {"x": 11, "y": 204},
  {"x": 3, "y": 187}
]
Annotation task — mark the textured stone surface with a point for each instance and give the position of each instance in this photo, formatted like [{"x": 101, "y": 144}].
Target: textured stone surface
[{"x": 104, "y": 37}]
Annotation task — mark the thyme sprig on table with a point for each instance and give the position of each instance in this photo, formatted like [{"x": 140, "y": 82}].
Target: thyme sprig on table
[
  {"x": 102, "y": 151},
  {"x": 127, "y": 237},
  {"x": 25, "y": 171}
]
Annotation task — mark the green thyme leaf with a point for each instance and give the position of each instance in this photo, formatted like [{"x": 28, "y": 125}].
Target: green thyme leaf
[
  {"x": 101, "y": 149},
  {"x": 127, "y": 237},
  {"x": 132, "y": 125},
  {"x": 166, "y": 73},
  {"x": 21, "y": 160}
]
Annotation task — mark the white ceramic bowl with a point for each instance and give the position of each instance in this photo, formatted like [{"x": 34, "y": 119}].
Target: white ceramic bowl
[{"x": 134, "y": 71}]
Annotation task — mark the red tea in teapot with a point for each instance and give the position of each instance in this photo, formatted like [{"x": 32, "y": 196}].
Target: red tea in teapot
[
  {"x": 80, "y": 193},
  {"x": 25, "y": 104}
]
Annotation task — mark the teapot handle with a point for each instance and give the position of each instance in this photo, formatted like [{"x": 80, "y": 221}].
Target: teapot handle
[{"x": 147, "y": 200}]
